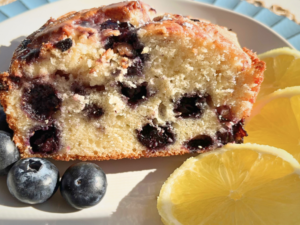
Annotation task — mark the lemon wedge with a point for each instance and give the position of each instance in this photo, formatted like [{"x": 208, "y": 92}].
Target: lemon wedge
[
  {"x": 275, "y": 121},
  {"x": 282, "y": 70},
  {"x": 236, "y": 185}
]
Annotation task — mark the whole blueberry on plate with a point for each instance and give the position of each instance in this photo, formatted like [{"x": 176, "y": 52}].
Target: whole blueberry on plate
[
  {"x": 33, "y": 180},
  {"x": 83, "y": 185},
  {"x": 9, "y": 153}
]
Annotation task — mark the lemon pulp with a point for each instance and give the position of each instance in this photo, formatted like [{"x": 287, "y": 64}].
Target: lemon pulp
[{"x": 243, "y": 184}]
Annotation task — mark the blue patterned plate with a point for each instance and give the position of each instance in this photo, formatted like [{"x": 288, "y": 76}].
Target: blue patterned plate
[{"x": 282, "y": 25}]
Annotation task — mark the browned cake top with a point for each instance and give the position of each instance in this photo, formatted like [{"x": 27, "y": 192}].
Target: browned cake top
[{"x": 86, "y": 22}]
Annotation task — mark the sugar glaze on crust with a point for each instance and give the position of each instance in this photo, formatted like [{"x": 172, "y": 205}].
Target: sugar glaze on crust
[{"x": 117, "y": 83}]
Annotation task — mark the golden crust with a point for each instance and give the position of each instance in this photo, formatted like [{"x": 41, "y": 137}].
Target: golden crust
[
  {"x": 259, "y": 67},
  {"x": 172, "y": 24},
  {"x": 143, "y": 154},
  {"x": 123, "y": 12},
  {"x": 54, "y": 30}
]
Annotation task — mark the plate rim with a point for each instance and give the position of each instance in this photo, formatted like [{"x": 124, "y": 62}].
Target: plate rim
[
  {"x": 24, "y": 14},
  {"x": 242, "y": 15}
]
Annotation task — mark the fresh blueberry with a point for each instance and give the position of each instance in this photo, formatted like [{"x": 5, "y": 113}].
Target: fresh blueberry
[
  {"x": 83, "y": 185},
  {"x": 33, "y": 180},
  {"x": 9, "y": 153},
  {"x": 3, "y": 124}
]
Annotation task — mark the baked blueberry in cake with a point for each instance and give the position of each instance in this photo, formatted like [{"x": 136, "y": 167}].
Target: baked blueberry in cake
[{"x": 120, "y": 82}]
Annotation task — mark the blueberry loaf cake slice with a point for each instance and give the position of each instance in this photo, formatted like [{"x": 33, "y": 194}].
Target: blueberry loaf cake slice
[{"x": 117, "y": 82}]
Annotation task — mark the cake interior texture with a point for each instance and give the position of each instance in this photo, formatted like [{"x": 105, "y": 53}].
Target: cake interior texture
[{"x": 92, "y": 85}]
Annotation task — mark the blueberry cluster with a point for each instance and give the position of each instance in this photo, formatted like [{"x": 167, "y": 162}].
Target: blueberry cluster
[
  {"x": 35, "y": 180},
  {"x": 192, "y": 106},
  {"x": 128, "y": 37}
]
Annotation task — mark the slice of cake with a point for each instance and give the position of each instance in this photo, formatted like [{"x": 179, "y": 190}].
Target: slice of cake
[{"x": 114, "y": 82}]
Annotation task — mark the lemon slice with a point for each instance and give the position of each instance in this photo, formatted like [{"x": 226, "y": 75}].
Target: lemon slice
[
  {"x": 275, "y": 121},
  {"x": 236, "y": 185},
  {"x": 282, "y": 70}
]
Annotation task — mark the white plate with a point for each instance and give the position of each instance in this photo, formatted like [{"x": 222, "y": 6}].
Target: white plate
[{"x": 133, "y": 185}]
